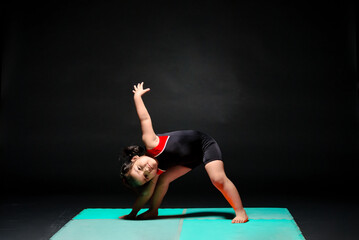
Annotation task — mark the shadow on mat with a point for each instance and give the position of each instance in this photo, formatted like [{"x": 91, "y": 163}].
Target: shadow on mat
[{"x": 198, "y": 214}]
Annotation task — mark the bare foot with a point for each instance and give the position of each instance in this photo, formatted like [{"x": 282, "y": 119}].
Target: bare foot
[
  {"x": 241, "y": 217},
  {"x": 149, "y": 214}
]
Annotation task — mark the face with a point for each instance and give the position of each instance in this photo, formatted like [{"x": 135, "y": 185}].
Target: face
[{"x": 144, "y": 169}]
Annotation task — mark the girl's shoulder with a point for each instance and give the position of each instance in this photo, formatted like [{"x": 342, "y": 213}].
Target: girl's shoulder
[{"x": 180, "y": 132}]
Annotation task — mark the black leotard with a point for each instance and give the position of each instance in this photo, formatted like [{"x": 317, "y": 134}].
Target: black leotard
[{"x": 187, "y": 148}]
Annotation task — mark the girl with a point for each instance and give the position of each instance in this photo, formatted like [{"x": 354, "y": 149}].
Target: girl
[{"x": 167, "y": 157}]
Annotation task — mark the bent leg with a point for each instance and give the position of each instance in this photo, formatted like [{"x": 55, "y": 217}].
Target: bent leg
[
  {"x": 215, "y": 170},
  {"x": 163, "y": 182}
]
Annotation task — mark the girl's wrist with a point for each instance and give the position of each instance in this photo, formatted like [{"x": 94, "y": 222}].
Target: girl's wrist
[
  {"x": 137, "y": 96},
  {"x": 153, "y": 209},
  {"x": 133, "y": 213}
]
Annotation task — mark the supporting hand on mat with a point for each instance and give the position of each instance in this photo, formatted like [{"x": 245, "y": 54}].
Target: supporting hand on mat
[
  {"x": 128, "y": 217},
  {"x": 149, "y": 214}
]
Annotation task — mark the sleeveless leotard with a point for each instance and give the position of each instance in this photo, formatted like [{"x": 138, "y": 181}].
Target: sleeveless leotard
[{"x": 187, "y": 148}]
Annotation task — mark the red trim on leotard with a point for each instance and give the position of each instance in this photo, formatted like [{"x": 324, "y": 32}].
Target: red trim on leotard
[
  {"x": 160, "y": 171},
  {"x": 154, "y": 152}
]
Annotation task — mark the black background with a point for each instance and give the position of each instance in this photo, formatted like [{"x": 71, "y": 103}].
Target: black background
[{"x": 275, "y": 83}]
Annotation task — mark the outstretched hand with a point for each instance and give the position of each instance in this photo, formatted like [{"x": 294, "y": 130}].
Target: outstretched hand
[{"x": 138, "y": 89}]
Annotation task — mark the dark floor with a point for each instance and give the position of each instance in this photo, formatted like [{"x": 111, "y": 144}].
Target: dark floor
[{"x": 39, "y": 217}]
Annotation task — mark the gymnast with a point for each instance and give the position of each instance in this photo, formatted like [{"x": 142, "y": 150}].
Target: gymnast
[{"x": 167, "y": 157}]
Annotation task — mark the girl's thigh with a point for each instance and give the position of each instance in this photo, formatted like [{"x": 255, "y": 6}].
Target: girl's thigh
[{"x": 173, "y": 173}]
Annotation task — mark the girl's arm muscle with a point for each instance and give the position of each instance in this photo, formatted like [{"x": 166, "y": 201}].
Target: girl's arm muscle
[
  {"x": 149, "y": 137},
  {"x": 144, "y": 196},
  {"x": 142, "y": 199}
]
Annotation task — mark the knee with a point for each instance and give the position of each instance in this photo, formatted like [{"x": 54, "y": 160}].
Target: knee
[{"x": 219, "y": 181}]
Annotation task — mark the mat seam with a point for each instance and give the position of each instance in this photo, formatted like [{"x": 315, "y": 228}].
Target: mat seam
[{"x": 180, "y": 225}]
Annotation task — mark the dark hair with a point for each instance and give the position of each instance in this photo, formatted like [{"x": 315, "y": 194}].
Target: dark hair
[{"x": 127, "y": 155}]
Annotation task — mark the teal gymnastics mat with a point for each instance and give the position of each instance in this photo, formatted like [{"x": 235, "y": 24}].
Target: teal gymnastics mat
[{"x": 182, "y": 224}]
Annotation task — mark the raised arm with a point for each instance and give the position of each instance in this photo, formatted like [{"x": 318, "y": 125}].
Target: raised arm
[{"x": 149, "y": 137}]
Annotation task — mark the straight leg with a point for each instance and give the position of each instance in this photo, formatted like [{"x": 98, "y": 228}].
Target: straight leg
[{"x": 215, "y": 170}]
